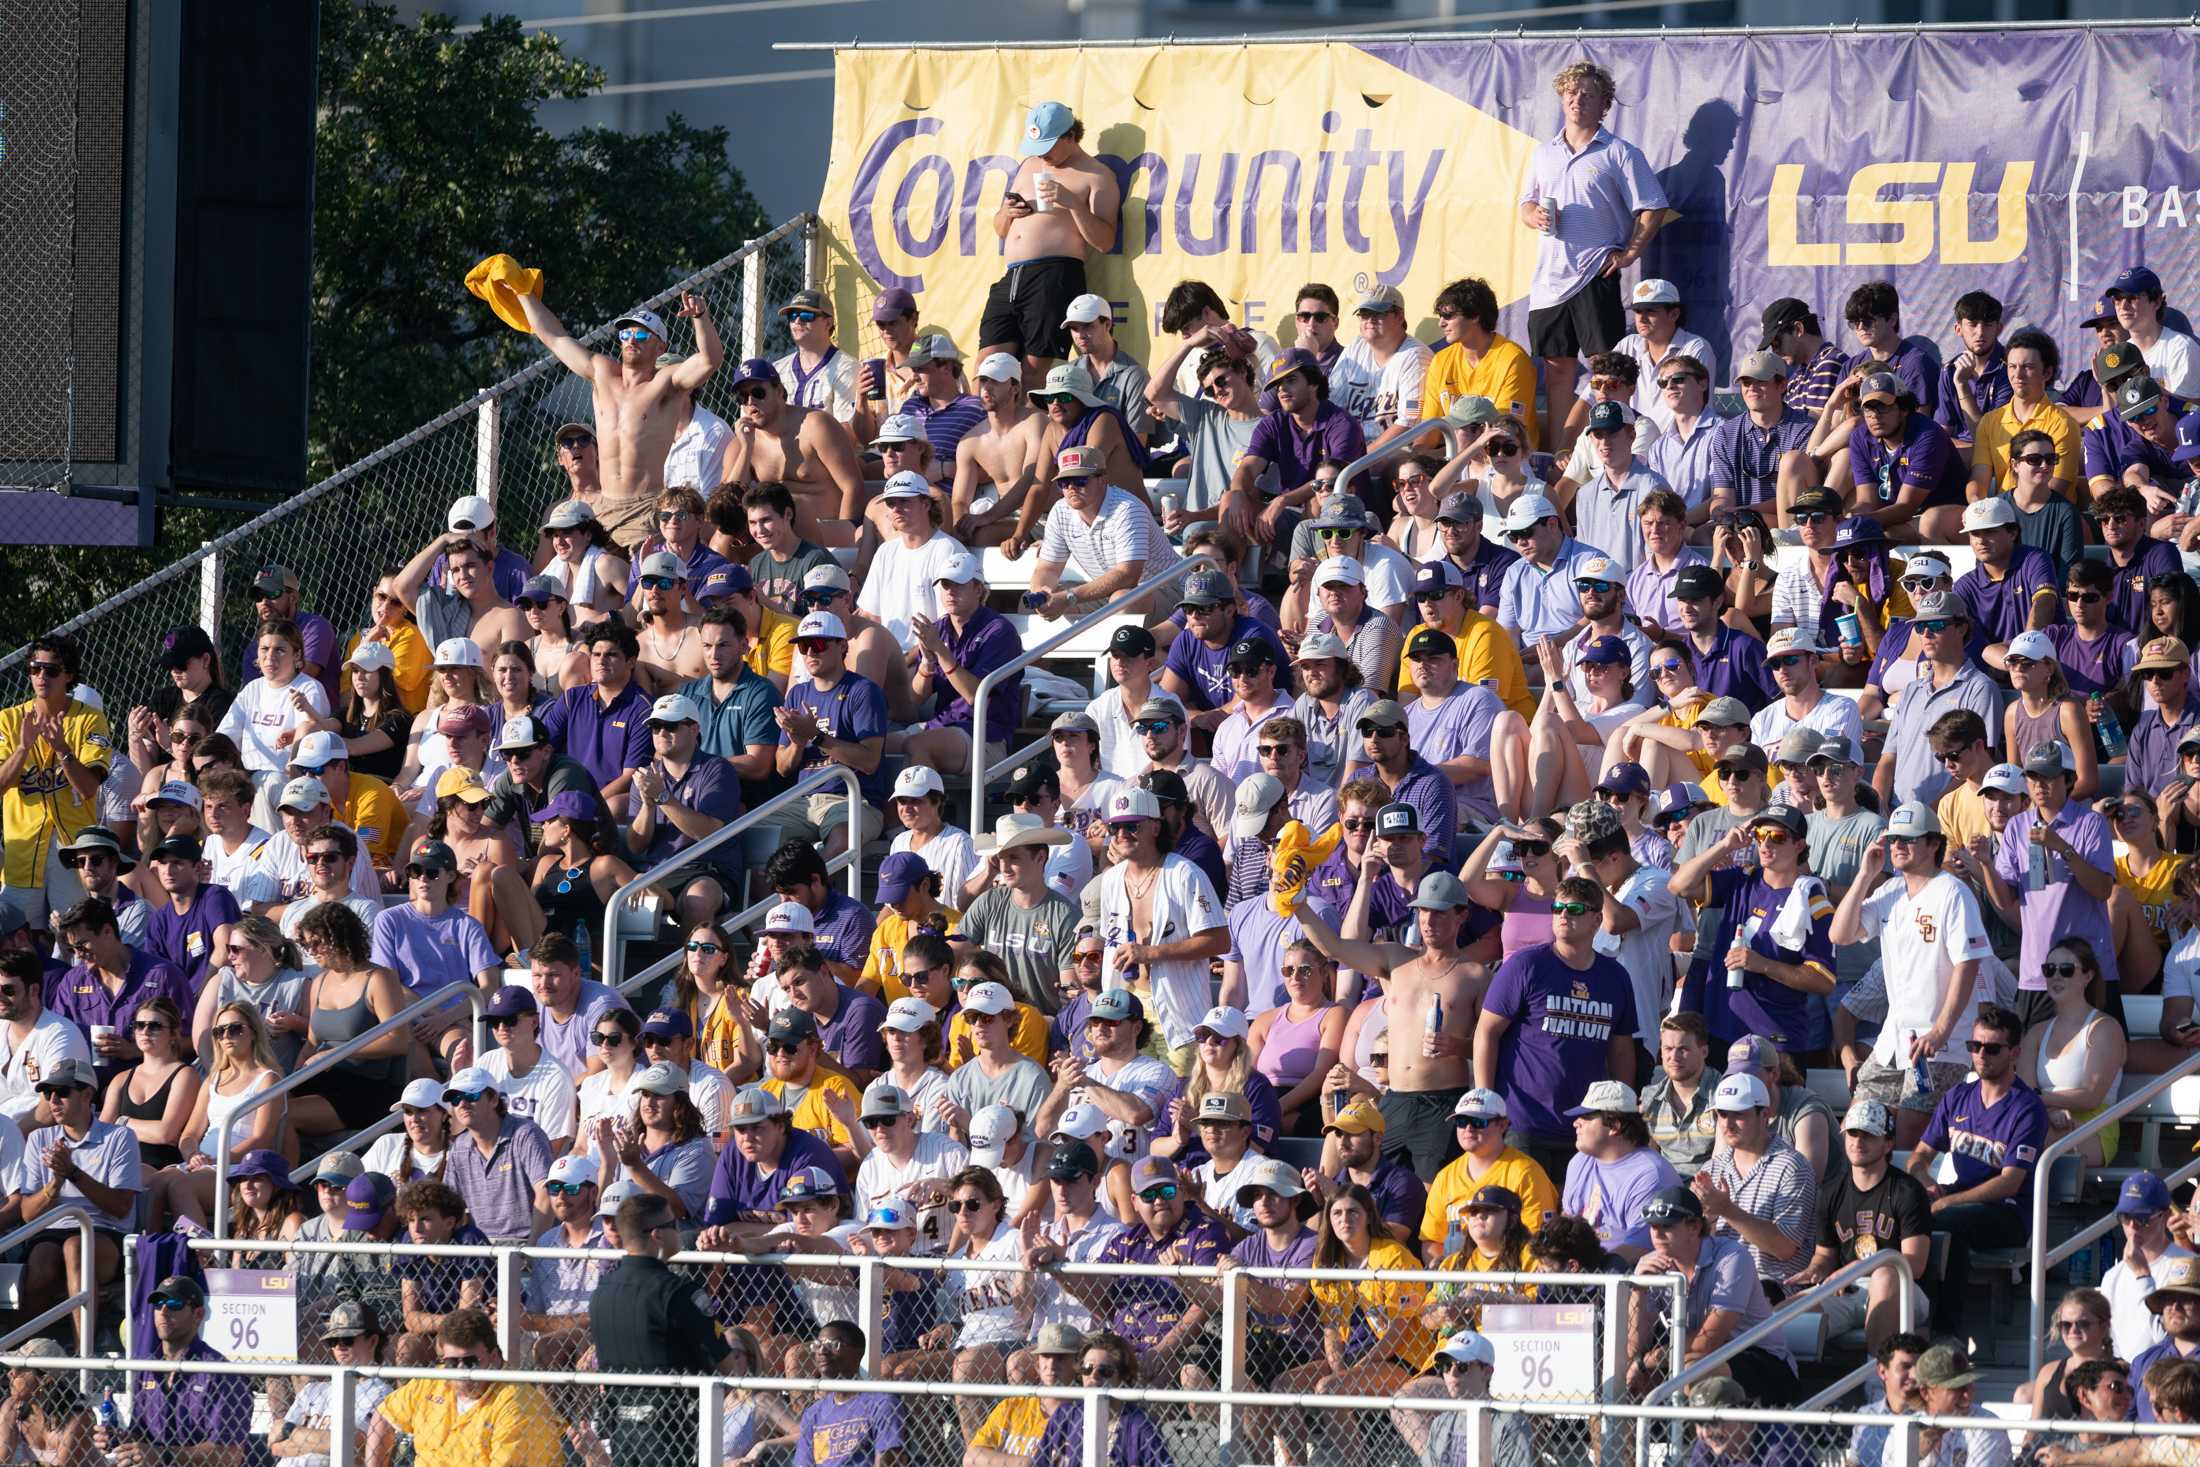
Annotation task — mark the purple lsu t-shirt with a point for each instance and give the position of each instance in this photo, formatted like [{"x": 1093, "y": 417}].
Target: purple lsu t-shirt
[
  {"x": 1255, "y": 1252},
  {"x": 2004, "y": 607},
  {"x": 2095, "y": 666},
  {"x": 2111, "y": 445},
  {"x": 188, "y": 940},
  {"x": 1926, "y": 457},
  {"x": 852, "y": 709},
  {"x": 428, "y": 953},
  {"x": 1202, "y": 668},
  {"x": 736, "y": 1186},
  {"x": 1458, "y": 725},
  {"x": 1278, "y": 439},
  {"x": 1558, "y": 1038},
  {"x": 1986, "y": 1139},
  {"x": 850, "y": 1433}
]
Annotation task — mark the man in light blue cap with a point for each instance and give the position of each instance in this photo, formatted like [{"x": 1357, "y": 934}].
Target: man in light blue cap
[{"x": 1060, "y": 208}]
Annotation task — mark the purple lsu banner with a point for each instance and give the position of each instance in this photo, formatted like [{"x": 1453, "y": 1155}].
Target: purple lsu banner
[{"x": 2034, "y": 164}]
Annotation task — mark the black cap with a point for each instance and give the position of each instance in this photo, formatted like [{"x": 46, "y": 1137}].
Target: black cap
[
  {"x": 1167, "y": 786},
  {"x": 1607, "y": 417},
  {"x": 1250, "y": 652},
  {"x": 1026, "y": 782},
  {"x": 1697, "y": 583},
  {"x": 1816, "y": 501},
  {"x": 2136, "y": 395},
  {"x": 1431, "y": 642},
  {"x": 182, "y": 644},
  {"x": 1132, "y": 642},
  {"x": 182, "y": 847},
  {"x": 1780, "y": 315},
  {"x": 1672, "y": 1204},
  {"x": 1787, "y": 817},
  {"x": 1071, "y": 1160},
  {"x": 792, "y": 1026}
]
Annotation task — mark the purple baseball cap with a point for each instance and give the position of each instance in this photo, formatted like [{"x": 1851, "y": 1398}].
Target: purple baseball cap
[
  {"x": 1626, "y": 779},
  {"x": 755, "y": 369},
  {"x": 892, "y": 304},
  {"x": 566, "y": 805},
  {"x": 900, "y": 874},
  {"x": 366, "y": 1198}
]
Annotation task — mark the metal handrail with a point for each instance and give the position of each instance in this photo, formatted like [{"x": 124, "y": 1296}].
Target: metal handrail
[
  {"x": 1402, "y": 444},
  {"x": 1773, "y": 1323},
  {"x": 85, "y": 1301},
  {"x": 982, "y": 772},
  {"x": 472, "y": 995},
  {"x": 614, "y": 942},
  {"x": 2054, "y": 1152}
]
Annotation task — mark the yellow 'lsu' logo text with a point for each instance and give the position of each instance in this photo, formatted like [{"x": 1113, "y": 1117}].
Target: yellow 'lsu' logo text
[{"x": 1913, "y": 218}]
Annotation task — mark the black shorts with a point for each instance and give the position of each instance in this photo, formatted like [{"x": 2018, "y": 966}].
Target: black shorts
[
  {"x": 1585, "y": 323},
  {"x": 1269, "y": 1353},
  {"x": 1418, "y": 1129},
  {"x": 1024, "y": 309},
  {"x": 1769, "y": 1380},
  {"x": 357, "y": 1100}
]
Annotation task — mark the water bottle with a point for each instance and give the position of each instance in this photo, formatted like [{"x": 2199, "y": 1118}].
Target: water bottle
[
  {"x": 110, "y": 1420},
  {"x": 2035, "y": 876},
  {"x": 1736, "y": 977},
  {"x": 1433, "y": 1026},
  {"x": 2110, "y": 729}
]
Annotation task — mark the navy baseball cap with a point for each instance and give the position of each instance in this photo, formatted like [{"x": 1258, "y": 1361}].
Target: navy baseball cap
[
  {"x": 755, "y": 369},
  {"x": 2135, "y": 280},
  {"x": 1625, "y": 779}
]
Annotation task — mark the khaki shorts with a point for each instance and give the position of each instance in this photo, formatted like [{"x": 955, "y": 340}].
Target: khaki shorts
[
  {"x": 62, "y": 890},
  {"x": 1845, "y": 1311},
  {"x": 822, "y": 812}
]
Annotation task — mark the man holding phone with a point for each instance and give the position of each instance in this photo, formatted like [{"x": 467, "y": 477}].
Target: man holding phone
[{"x": 1061, "y": 206}]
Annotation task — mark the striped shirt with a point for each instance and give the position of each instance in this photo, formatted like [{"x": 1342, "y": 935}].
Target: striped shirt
[
  {"x": 1812, "y": 385},
  {"x": 1122, "y": 533},
  {"x": 1781, "y": 1191}
]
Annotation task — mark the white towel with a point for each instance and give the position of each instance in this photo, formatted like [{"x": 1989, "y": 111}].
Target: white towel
[{"x": 1791, "y": 929}]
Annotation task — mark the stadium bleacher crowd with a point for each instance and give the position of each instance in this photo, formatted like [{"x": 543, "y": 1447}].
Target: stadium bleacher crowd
[{"x": 1630, "y": 826}]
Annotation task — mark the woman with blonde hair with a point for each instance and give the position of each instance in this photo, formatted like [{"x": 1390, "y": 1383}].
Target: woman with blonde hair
[
  {"x": 242, "y": 1067},
  {"x": 2046, "y": 712},
  {"x": 1222, "y": 1064}
]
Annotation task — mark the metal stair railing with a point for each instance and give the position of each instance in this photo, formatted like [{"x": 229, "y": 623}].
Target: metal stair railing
[{"x": 985, "y": 773}]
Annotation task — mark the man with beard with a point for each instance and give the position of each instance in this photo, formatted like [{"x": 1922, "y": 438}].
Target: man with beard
[{"x": 808, "y": 451}]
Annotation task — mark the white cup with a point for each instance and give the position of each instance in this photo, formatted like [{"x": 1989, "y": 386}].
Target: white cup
[
  {"x": 100, "y": 1032},
  {"x": 1039, "y": 203}
]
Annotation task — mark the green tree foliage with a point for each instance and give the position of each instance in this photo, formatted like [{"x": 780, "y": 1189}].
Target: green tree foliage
[{"x": 430, "y": 154}]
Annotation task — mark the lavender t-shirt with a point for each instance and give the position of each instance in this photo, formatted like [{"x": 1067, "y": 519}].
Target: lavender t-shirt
[
  {"x": 1558, "y": 1040},
  {"x": 1458, "y": 725},
  {"x": 2095, "y": 666},
  {"x": 2060, "y": 908},
  {"x": 851, "y": 1433},
  {"x": 428, "y": 953},
  {"x": 1254, "y": 1252},
  {"x": 188, "y": 940},
  {"x": 1612, "y": 1194}
]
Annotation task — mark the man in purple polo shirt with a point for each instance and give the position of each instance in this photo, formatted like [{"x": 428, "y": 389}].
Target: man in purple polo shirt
[
  {"x": 1168, "y": 1330},
  {"x": 1481, "y": 560},
  {"x": 1763, "y": 454},
  {"x": 1729, "y": 663},
  {"x": 1386, "y": 753},
  {"x": 764, "y": 1151},
  {"x": 109, "y": 981},
  {"x": 190, "y": 926},
  {"x": 1197, "y": 671},
  {"x": 1874, "y": 314},
  {"x": 604, "y": 725},
  {"x": 1907, "y": 472},
  {"x": 275, "y": 598},
  {"x": 683, "y": 796},
  {"x": 2135, "y": 558},
  {"x": 1305, "y": 428},
  {"x": 187, "y": 1420},
  {"x": 847, "y": 1019},
  {"x": 969, "y": 640},
  {"x": 1596, "y": 202},
  {"x": 2052, "y": 873},
  {"x": 2136, "y": 443},
  {"x": 841, "y": 925},
  {"x": 835, "y": 716},
  {"x": 2013, "y": 588}
]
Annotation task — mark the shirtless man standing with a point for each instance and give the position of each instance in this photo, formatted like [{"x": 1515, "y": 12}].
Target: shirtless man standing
[
  {"x": 1061, "y": 207},
  {"x": 1429, "y": 1071},
  {"x": 776, "y": 442},
  {"x": 1004, "y": 452},
  {"x": 638, "y": 409}
]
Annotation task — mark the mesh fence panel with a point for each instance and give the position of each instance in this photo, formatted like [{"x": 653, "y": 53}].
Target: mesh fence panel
[
  {"x": 39, "y": 47},
  {"x": 339, "y": 535}
]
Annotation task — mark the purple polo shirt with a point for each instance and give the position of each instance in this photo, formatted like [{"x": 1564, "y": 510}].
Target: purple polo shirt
[
  {"x": 2127, "y": 594},
  {"x": 607, "y": 741},
  {"x": 1142, "y": 1310},
  {"x": 2060, "y": 908},
  {"x": 1399, "y": 1195},
  {"x": 1595, "y": 194},
  {"x": 1428, "y": 790},
  {"x": 736, "y": 1186},
  {"x": 851, "y": 1034},
  {"x": 987, "y": 642},
  {"x": 1734, "y": 668},
  {"x": 1254, "y": 1252},
  {"x": 1746, "y": 458},
  {"x": 1911, "y": 367},
  {"x": 944, "y": 426},
  {"x": 844, "y": 929},
  {"x": 1557, "y": 1040},
  {"x": 178, "y": 1410},
  {"x": 322, "y": 647},
  {"x": 853, "y": 709},
  {"x": 499, "y": 1188},
  {"x": 710, "y": 787},
  {"x": 187, "y": 940},
  {"x": 2112, "y": 445},
  {"x": 2095, "y": 666},
  {"x": 1278, "y": 438},
  {"x": 1257, "y": 940},
  {"x": 1132, "y": 1435},
  {"x": 1650, "y": 590},
  {"x": 1201, "y": 666},
  {"x": 1485, "y": 572},
  {"x": 2004, "y": 607},
  {"x": 1984, "y": 1140},
  {"x": 1926, "y": 456},
  {"x": 79, "y": 996},
  {"x": 1990, "y": 388},
  {"x": 2151, "y": 762}
]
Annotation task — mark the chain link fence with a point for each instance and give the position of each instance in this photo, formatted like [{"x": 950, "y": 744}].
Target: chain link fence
[
  {"x": 340, "y": 535},
  {"x": 39, "y": 49}
]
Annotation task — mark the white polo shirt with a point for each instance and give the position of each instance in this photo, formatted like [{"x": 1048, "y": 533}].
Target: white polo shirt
[
  {"x": 1921, "y": 939},
  {"x": 1122, "y": 532}
]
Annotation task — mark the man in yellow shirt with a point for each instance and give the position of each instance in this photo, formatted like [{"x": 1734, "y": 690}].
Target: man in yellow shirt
[
  {"x": 459, "y": 1422},
  {"x": 1962, "y": 809},
  {"x": 792, "y": 1050},
  {"x": 366, "y": 804},
  {"x": 2032, "y": 362},
  {"x": 1485, "y": 1160},
  {"x": 1011, "y": 1434},
  {"x": 55, "y": 750},
  {"x": 1476, "y": 361},
  {"x": 1486, "y": 655}
]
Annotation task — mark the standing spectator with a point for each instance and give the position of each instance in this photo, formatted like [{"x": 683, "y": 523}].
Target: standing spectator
[
  {"x": 1763, "y": 948},
  {"x": 1724, "y": 1298},
  {"x": 1476, "y": 362},
  {"x": 1217, "y": 420},
  {"x": 1596, "y": 202},
  {"x": 1870, "y": 1207},
  {"x": 1537, "y": 598},
  {"x": 1932, "y": 939},
  {"x": 1061, "y": 207},
  {"x": 1992, "y": 1129},
  {"x": 1615, "y": 1171},
  {"x": 2143, "y": 1209},
  {"x": 2051, "y": 877},
  {"x": 1485, "y": 653},
  {"x": 497, "y": 1161},
  {"x": 1873, "y": 312},
  {"x": 55, "y": 751},
  {"x": 1756, "y": 1186},
  {"x": 1159, "y": 913},
  {"x": 1946, "y": 680}
]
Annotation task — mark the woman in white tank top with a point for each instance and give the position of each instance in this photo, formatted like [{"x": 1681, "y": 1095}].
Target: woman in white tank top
[{"x": 2076, "y": 1058}]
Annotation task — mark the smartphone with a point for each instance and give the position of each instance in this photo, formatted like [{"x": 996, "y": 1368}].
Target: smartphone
[
  {"x": 2185, "y": 1028},
  {"x": 1016, "y": 198}
]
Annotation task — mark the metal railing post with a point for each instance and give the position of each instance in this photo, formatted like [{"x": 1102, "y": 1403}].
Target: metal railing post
[
  {"x": 1098, "y": 1413},
  {"x": 1616, "y": 1304},
  {"x": 2062, "y": 1146},
  {"x": 1397, "y": 448},
  {"x": 210, "y": 592},
  {"x": 614, "y": 940},
  {"x": 511, "y": 1269},
  {"x": 981, "y": 773},
  {"x": 1233, "y": 1355},
  {"x": 488, "y": 448},
  {"x": 441, "y": 999},
  {"x": 710, "y": 1406},
  {"x": 343, "y": 1402},
  {"x": 1482, "y": 1436},
  {"x": 752, "y": 304},
  {"x": 871, "y": 1305}
]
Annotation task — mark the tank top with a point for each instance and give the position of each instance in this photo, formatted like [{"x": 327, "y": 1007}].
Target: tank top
[
  {"x": 152, "y": 1108},
  {"x": 567, "y": 896},
  {"x": 333, "y": 1026},
  {"x": 1288, "y": 1056},
  {"x": 1527, "y": 922},
  {"x": 220, "y": 1107},
  {"x": 2059, "y": 1072},
  {"x": 1417, "y": 544},
  {"x": 2030, "y": 730},
  {"x": 549, "y": 663},
  {"x": 1374, "y": 1039}
]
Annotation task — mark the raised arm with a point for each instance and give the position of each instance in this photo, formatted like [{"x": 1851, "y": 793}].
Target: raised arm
[
  {"x": 551, "y": 332},
  {"x": 694, "y": 370}
]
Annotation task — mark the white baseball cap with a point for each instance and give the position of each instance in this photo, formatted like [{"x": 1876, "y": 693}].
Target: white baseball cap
[
  {"x": 1339, "y": 570},
  {"x": 1257, "y": 795},
  {"x": 303, "y": 793},
  {"x": 899, "y": 428},
  {"x": 2033, "y": 645},
  {"x": 1001, "y": 367},
  {"x": 821, "y": 624},
  {"x": 1527, "y": 512},
  {"x": 1229, "y": 1023},
  {"x": 373, "y": 657},
  {"x": 1086, "y": 309},
  {"x": 916, "y": 781},
  {"x": 991, "y": 1129},
  {"x": 907, "y": 484},
  {"x": 962, "y": 568},
  {"x": 675, "y": 708},
  {"x": 909, "y": 1015},
  {"x": 1740, "y": 1092},
  {"x": 1655, "y": 293},
  {"x": 988, "y": 998},
  {"x": 1996, "y": 513},
  {"x": 2007, "y": 778},
  {"x": 457, "y": 652},
  {"x": 471, "y": 512},
  {"x": 789, "y": 917},
  {"x": 573, "y": 1169},
  {"x": 1083, "y": 1120}
]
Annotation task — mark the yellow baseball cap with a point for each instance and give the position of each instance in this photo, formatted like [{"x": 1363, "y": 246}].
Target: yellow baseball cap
[{"x": 1360, "y": 1118}]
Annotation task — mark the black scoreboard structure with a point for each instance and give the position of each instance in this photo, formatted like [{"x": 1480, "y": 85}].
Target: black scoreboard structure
[{"x": 156, "y": 187}]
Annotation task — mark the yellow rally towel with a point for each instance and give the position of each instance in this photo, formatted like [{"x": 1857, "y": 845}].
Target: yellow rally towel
[
  {"x": 1294, "y": 841},
  {"x": 499, "y": 280}
]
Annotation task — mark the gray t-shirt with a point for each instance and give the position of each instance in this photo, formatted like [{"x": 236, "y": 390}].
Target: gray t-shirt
[
  {"x": 1123, "y": 387},
  {"x": 1217, "y": 442},
  {"x": 1035, "y": 942},
  {"x": 1022, "y": 1087},
  {"x": 1836, "y": 851},
  {"x": 1373, "y": 645}
]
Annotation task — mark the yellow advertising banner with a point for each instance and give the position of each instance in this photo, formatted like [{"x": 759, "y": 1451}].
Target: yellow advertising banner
[{"x": 1257, "y": 169}]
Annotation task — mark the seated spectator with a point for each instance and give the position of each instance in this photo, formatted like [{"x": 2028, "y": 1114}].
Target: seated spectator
[
  {"x": 2052, "y": 875},
  {"x": 1757, "y": 1186},
  {"x": 1294, "y": 1045},
  {"x": 155, "y": 1097},
  {"x": 279, "y": 707},
  {"x": 268, "y": 971},
  {"x": 668, "y": 1038},
  {"x": 908, "y": 905},
  {"x": 534, "y": 1087},
  {"x": 214, "y": 1426},
  {"x": 2175, "y": 1299},
  {"x": 664, "y": 1150},
  {"x": 243, "y": 1065},
  {"x": 966, "y": 644},
  {"x": 1012, "y": 1429},
  {"x": 82, "y": 1159},
  {"x": 2081, "y": 1324},
  {"x": 903, "y": 1163},
  {"x": 101, "y": 993},
  {"x": 431, "y": 944},
  {"x": 2143, "y": 1210},
  {"x": 497, "y": 1161},
  {"x": 915, "y": 1047},
  {"x": 1724, "y": 1298},
  {"x": 823, "y": 1100},
  {"x": 846, "y": 1020},
  {"x": 1615, "y": 1170},
  {"x": 1493, "y": 1239},
  {"x": 1228, "y": 1148},
  {"x": 447, "y": 1418},
  {"x": 421, "y": 1144},
  {"x": 682, "y": 797},
  {"x": 1676, "y": 1104},
  {"x": 994, "y": 1046},
  {"x": 1719, "y": 1440},
  {"x": 326, "y": 1179},
  {"x": 264, "y": 1203},
  {"x": 1486, "y": 1161},
  {"x": 1462, "y": 1370},
  {"x": 1222, "y": 1064},
  {"x": 2075, "y": 1052},
  {"x": 1168, "y": 1328},
  {"x": 1353, "y": 1156},
  {"x": 348, "y": 996},
  {"x": 765, "y": 1148}
]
